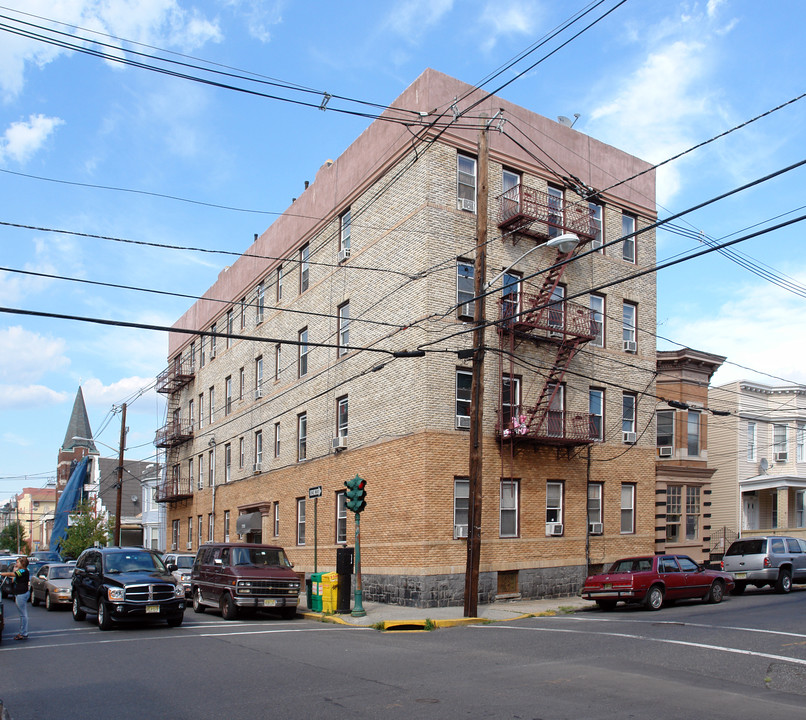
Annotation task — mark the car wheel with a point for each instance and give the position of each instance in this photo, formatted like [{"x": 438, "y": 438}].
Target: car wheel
[
  {"x": 739, "y": 588},
  {"x": 104, "y": 620},
  {"x": 654, "y": 598},
  {"x": 716, "y": 593},
  {"x": 78, "y": 613},
  {"x": 784, "y": 584},
  {"x": 606, "y": 605},
  {"x": 229, "y": 610},
  {"x": 197, "y": 601},
  {"x": 49, "y": 603},
  {"x": 175, "y": 621}
]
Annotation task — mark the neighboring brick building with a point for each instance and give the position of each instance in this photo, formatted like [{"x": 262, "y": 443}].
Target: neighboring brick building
[
  {"x": 683, "y": 484},
  {"x": 35, "y": 508},
  {"x": 377, "y": 255},
  {"x": 759, "y": 453}
]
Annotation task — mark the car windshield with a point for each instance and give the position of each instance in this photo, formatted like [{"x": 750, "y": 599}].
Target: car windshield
[
  {"x": 752, "y": 546},
  {"x": 61, "y": 573},
  {"x": 631, "y": 565},
  {"x": 273, "y": 557},
  {"x": 184, "y": 561},
  {"x": 132, "y": 562}
]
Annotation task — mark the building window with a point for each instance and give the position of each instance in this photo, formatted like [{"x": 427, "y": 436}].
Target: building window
[
  {"x": 628, "y": 403},
  {"x": 555, "y": 211},
  {"x": 190, "y": 533},
  {"x": 276, "y": 519},
  {"x": 780, "y": 445},
  {"x": 210, "y": 527},
  {"x": 201, "y": 472},
  {"x": 211, "y": 468},
  {"x": 342, "y": 417},
  {"x": 461, "y": 507},
  {"x": 597, "y": 306},
  {"x": 341, "y": 517},
  {"x": 258, "y": 377},
  {"x": 510, "y": 399},
  {"x": 241, "y": 452},
  {"x": 191, "y": 417},
  {"x": 303, "y": 352},
  {"x": 693, "y": 432},
  {"x": 509, "y": 509},
  {"x": 230, "y": 327},
  {"x": 200, "y": 530},
  {"x": 242, "y": 313},
  {"x": 304, "y": 268},
  {"x": 751, "y": 442},
  {"x": 344, "y": 241},
  {"x": 260, "y": 302},
  {"x": 344, "y": 329},
  {"x": 511, "y": 198},
  {"x": 628, "y": 334},
  {"x": 228, "y": 395},
  {"x": 227, "y": 462},
  {"x": 191, "y": 462},
  {"x": 212, "y": 341},
  {"x": 258, "y": 448},
  {"x": 511, "y": 296},
  {"x": 665, "y": 429},
  {"x": 628, "y": 246},
  {"x": 674, "y": 509},
  {"x": 465, "y": 289},
  {"x": 595, "y": 526},
  {"x": 555, "y": 417},
  {"x": 202, "y": 351},
  {"x": 554, "y": 508},
  {"x": 692, "y": 512},
  {"x": 800, "y": 518},
  {"x": 226, "y": 525},
  {"x": 596, "y": 413},
  {"x": 277, "y": 439},
  {"x": 464, "y": 381},
  {"x": 278, "y": 356},
  {"x": 193, "y": 356},
  {"x": 175, "y": 534},
  {"x": 556, "y": 309},
  {"x": 300, "y": 521},
  {"x": 597, "y": 226},
  {"x": 466, "y": 182},
  {"x": 201, "y": 410},
  {"x": 302, "y": 437},
  {"x": 800, "y": 442},
  {"x": 212, "y": 405},
  {"x": 279, "y": 283},
  {"x": 241, "y": 383},
  {"x": 627, "y": 508}
]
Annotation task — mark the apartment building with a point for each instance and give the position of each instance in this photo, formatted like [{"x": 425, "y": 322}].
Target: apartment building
[
  {"x": 759, "y": 452},
  {"x": 683, "y": 512},
  {"x": 298, "y": 372}
]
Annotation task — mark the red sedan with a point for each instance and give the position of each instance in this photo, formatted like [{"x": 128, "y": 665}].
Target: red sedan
[{"x": 652, "y": 580}]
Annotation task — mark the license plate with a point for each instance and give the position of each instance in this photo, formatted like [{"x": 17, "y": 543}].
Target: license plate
[
  {"x": 152, "y": 608},
  {"x": 741, "y": 576},
  {"x": 269, "y": 602},
  {"x": 607, "y": 586}
]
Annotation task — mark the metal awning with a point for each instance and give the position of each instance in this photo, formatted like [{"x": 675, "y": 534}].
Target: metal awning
[
  {"x": 249, "y": 522},
  {"x": 772, "y": 482}
]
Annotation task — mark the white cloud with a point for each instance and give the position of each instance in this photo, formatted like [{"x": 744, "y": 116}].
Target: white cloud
[
  {"x": 99, "y": 395},
  {"x": 259, "y": 16},
  {"x": 26, "y": 356},
  {"x": 28, "y": 397},
  {"x": 499, "y": 21},
  {"x": 413, "y": 18},
  {"x": 22, "y": 139}
]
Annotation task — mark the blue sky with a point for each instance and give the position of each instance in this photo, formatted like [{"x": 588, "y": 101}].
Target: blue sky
[{"x": 652, "y": 78}]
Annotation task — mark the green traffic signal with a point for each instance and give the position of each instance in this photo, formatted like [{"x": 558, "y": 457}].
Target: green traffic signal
[{"x": 356, "y": 494}]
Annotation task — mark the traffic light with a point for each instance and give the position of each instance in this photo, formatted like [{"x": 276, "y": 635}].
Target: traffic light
[{"x": 356, "y": 494}]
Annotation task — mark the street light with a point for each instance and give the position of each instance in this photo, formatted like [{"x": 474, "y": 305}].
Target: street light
[{"x": 565, "y": 243}]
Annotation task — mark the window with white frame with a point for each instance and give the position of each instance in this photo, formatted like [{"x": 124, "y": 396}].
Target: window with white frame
[
  {"x": 260, "y": 302},
  {"x": 190, "y": 532},
  {"x": 212, "y": 405},
  {"x": 200, "y": 530},
  {"x": 344, "y": 240},
  {"x": 258, "y": 448},
  {"x": 226, "y": 525},
  {"x": 201, "y": 410},
  {"x": 228, "y": 395},
  {"x": 555, "y": 211},
  {"x": 258, "y": 377},
  {"x": 628, "y": 246},
  {"x": 556, "y": 309},
  {"x": 227, "y": 462},
  {"x": 627, "y": 508},
  {"x": 344, "y": 328},
  {"x": 341, "y": 517},
  {"x": 751, "y": 441},
  {"x": 596, "y": 212},
  {"x": 278, "y": 358},
  {"x": 461, "y": 507},
  {"x": 628, "y": 406},
  {"x": 628, "y": 325},
  {"x": 800, "y": 442},
  {"x": 596, "y": 413},
  {"x": 210, "y": 527},
  {"x": 300, "y": 521},
  {"x": 193, "y": 356},
  {"x": 201, "y": 471},
  {"x": 554, "y": 507},
  {"x": 211, "y": 468},
  {"x": 302, "y": 437},
  {"x": 304, "y": 268},
  {"x": 466, "y": 182},
  {"x": 555, "y": 417},
  {"x": 693, "y": 432},
  {"x": 242, "y": 313},
  {"x": 464, "y": 381},
  {"x": 692, "y": 512},
  {"x": 511, "y": 198},
  {"x": 800, "y": 517},
  {"x": 510, "y": 399},
  {"x": 302, "y": 365},
  {"x": 674, "y": 511},
  {"x": 279, "y": 283},
  {"x": 597, "y": 306},
  {"x": 277, "y": 439},
  {"x": 780, "y": 444},
  {"x": 175, "y": 534},
  {"x": 191, "y": 415},
  {"x": 465, "y": 289},
  {"x": 212, "y": 341},
  {"x": 664, "y": 421},
  {"x": 241, "y": 452},
  {"x": 202, "y": 351},
  {"x": 342, "y": 417},
  {"x": 595, "y": 523},
  {"x": 508, "y": 523},
  {"x": 230, "y": 327},
  {"x": 276, "y": 522}
]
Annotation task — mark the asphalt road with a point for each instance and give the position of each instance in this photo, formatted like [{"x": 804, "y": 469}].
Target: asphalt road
[{"x": 744, "y": 658}]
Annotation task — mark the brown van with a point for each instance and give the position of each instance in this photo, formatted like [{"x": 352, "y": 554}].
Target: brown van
[{"x": 233, "y": 576}]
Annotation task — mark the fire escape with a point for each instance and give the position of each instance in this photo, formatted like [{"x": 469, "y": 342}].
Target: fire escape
[
  {"x": 175, "y": 432},
  {"x": 546, "y": 319}
]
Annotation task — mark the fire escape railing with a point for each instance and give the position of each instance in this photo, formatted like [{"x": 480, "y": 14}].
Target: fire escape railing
[
  {"x": 178, "y": 374},
  {"x": 175, "y": 488},
  {"x": 536, "y": 213},
  {"x": 173, "y": 433}
]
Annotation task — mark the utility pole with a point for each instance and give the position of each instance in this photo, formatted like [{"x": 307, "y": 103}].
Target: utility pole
[
  {"x": 477, "y": 385},
  {"x": 120, "y": 475}
]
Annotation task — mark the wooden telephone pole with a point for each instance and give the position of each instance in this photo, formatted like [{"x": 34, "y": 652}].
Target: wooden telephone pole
[{"x": 120, "y": 475}]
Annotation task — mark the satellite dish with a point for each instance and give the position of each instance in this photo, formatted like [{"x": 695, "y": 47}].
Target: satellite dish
[
  {"x": 565, "y": 121},
  {"x": 764, "y": 465}
]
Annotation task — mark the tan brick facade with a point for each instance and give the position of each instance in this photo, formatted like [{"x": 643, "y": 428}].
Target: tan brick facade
[{"x": 401, "y": 285}]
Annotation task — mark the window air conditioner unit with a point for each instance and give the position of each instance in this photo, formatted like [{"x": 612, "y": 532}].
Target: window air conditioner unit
[
  {"x": 189, "y": 545},
  {"x": 596, "y": 528},
  {"x": 258, "y": 394},
  {"x": 256, "y": 467},
  {"x": 465, "y": 204},
  {"x": 344, "y": 253},
  {"x": 630, "y": 346},
  {"x": 554, "y": 529},
  {"x": 467, "y": 310},
  {"x": 340, "y": 442},
  {"x": 629, "y": 437},
  {"x": 665, "y": 451},
  {"x": 555, "y": 334},
  {"x": 173, "y": 546},
  {"x": 459, "y": 531},
  {"x": 781, "y": 456},
  {"x": 462, "y": 421}
]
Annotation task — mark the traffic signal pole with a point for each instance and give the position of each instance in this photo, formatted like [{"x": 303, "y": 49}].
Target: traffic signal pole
[{"x": 356, "y": 502}]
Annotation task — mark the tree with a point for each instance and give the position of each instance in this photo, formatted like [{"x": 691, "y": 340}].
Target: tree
[
  {"x": 86, "y": 529},
  {"x": 12, "y": 533}
]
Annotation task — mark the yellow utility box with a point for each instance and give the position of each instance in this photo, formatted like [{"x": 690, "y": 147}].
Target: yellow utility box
[{"x": 330, "y": 592}]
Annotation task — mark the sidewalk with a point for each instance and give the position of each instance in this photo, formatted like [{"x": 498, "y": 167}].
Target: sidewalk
[{"x": 391, "y": 617}]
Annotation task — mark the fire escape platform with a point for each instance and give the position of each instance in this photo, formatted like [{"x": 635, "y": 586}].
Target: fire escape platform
[
  {"x": 174, "y": 490},
  {"x": 175, "y": 377},
  {"x": 173, "y": 434},
  {"x": 538, "y": 214}
]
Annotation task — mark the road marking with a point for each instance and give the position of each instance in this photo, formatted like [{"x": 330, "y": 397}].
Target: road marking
[{"x": 630, "y": 636}]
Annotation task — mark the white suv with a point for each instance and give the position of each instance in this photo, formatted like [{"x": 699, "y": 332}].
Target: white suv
[{"x": 770, "y": 560}]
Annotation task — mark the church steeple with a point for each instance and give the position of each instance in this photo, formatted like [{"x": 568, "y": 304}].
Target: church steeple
[{"x": 79, "y": 427}]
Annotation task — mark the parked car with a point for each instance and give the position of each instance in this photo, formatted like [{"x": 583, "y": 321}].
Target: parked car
[
  {"x": 772, "y": 560},
  {"x": 122, "y": 584},
  {"x": 180, "y": 565},
  {"x": 236, "y": 576},
  {"x": 49, "y": 556},
  {"x": 652, "y": 580},
  {"x": 51, "y": 585}
]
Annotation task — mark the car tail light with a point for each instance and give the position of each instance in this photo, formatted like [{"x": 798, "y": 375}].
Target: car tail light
[
  {"x": 766, "y": 562},
  {"x": 722, "y": 565}
]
